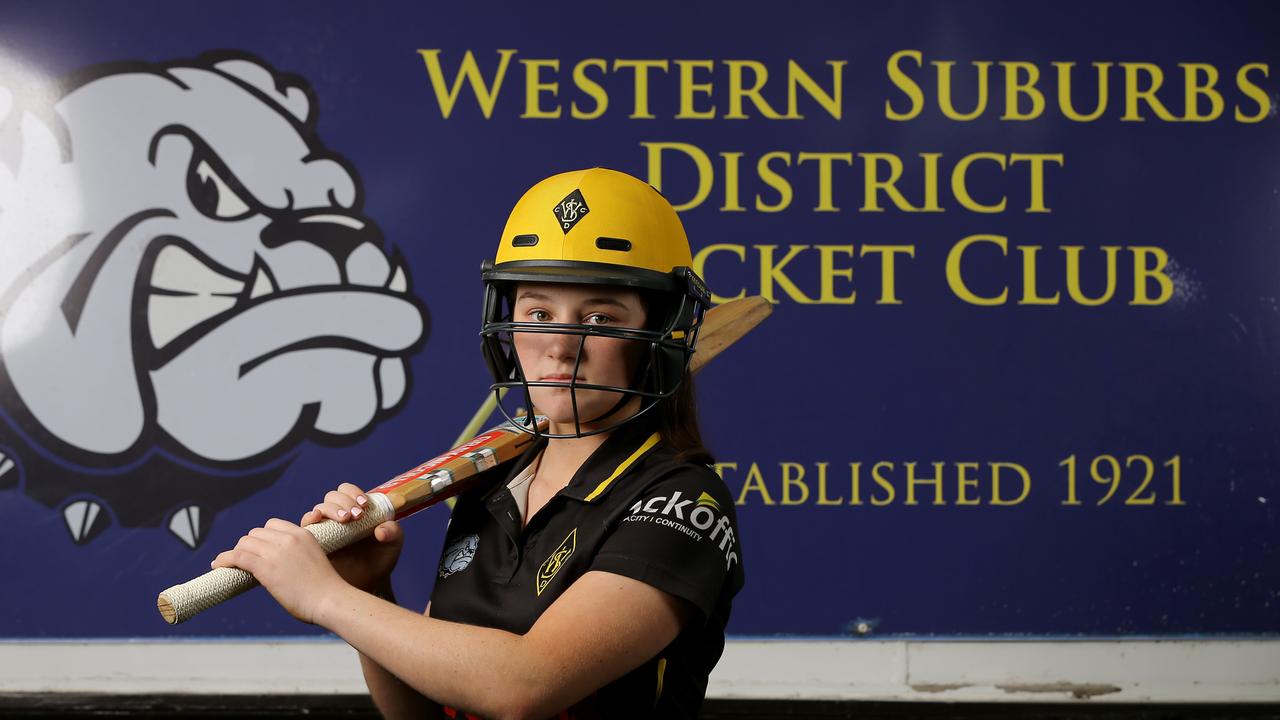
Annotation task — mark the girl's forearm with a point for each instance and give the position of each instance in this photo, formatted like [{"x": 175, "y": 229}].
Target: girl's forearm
[
  {"x": 392, "y": 696},
  {"x": 473, "y": 668}
]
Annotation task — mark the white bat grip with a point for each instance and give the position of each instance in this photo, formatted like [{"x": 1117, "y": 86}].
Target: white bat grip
[{"x": 183, "y": 602}]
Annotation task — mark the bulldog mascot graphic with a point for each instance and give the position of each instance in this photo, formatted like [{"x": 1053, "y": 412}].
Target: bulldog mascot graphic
[{"x": 188, "y": 290}]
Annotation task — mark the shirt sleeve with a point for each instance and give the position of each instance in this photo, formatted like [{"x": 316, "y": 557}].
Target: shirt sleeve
[{"x": 679, "y": 536}]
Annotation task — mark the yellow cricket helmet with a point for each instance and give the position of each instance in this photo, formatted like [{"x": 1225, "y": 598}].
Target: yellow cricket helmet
[{"x": 598, "y": 226}]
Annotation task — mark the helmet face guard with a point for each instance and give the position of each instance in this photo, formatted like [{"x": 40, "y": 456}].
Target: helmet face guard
[
  {"x": 595, "y": 227},
  {"x": 666, "y": 344}
]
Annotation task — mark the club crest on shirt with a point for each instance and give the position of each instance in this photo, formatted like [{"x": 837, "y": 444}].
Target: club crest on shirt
[
  {"x": 459, "y": 555},
  {"x": 552, "y": 564}
]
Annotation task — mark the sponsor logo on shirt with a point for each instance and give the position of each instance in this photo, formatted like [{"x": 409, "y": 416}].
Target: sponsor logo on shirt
[
  {"x": 700, "y": 519},
  {"x": 552, "y": 565},
  {"x": 459, "y": 555}
]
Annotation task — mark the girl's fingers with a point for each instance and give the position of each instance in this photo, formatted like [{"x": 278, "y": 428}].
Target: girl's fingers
[
  {"x": 345, "y": 503},
  {"x": 280, "y": 527},
  {"x": 388, "y": 532},
  {"x": 354, "y": 493},
  {"x": 344, "y": 507}
]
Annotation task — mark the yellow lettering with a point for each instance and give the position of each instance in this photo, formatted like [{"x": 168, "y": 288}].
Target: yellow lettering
[
  {"x": 793, "y": 476},
  {"x": 960, "y": 189},
  {"x": 771, "y": 272},
  {"x": 1255, "y": 93},
  {"x": 641, "y": 69},
  {"x": 931, "y": 182},
  {"x": 688, "y": 88},
  {"x": 1142, "y": 273},
  {"x": 872, "y": 184},
  {"x": 534, "y": 87},
  {"x": 1037, "y": 161},
  {"x": 775, "y": 181},
  {"x": 700, "y": 261},
  {"x": 955, "y": 278},
  {"x": 964, "y": 482},
  {"x": 825, "y": 203},
  {"x": 904, "y": 83},
  {"x": 754, "y": 482},
  {"x": 1029, "y": 296},
  {"x": 831, "y": 102},
  {"x": 829, "y": 273},
  {"x": 944, "y": 90},
  {"x": 1064, "y": 91},
  {"x": 1074, "y": 289},
  {"x": 1014, "y": 89},
  {"x": 935, "y": 481},
  {"x": 888, "y": 255},
  {"x": 700, "y": 160},
  {"x": 855, "y": 483},
  {"x": 1194, "y": 90},
  {"x": 732, "y": 199},
  {"x": 591, "y": 88},
  {"x": 1147, "y": 95},
  {"x": 883, "y": 482},
  {"x": 737, "y": 92},
  {"x": 822, "y": 487},
  {"x": 996, "y": 498},
  {"x": 486, "y": 95}
]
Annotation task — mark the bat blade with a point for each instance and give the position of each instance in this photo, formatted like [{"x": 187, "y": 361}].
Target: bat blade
[{"x": 443, "y": 476}]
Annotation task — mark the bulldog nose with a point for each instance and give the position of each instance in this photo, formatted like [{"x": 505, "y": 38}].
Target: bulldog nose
[{"x": 336, "y": 233}]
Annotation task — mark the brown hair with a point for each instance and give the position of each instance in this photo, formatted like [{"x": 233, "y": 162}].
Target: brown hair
[
  {"x": 677, "y": 414},
  {"x": 678, "y": 424}
]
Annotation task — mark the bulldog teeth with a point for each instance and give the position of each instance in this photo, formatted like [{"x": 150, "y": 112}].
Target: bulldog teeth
[
  {"x": 185, "y": 291},
  {"x": 84, "y": 520},
  {"x": 185, "y": 525},
  {"x": 399, "y": 282},
  {"x": 261, "y": 284}
]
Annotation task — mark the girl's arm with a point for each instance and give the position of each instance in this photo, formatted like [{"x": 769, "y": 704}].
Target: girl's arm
[
  {"x": 601, "y": 627},
  {"x": 392, "y": 696}
]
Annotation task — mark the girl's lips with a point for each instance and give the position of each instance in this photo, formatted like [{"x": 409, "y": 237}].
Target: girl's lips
[{"x": 560, "y": 378}]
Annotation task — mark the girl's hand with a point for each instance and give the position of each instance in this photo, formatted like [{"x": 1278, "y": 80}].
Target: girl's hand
[
  {"x": 289, "y": 563},
  {"x": 368, "y": 563}
]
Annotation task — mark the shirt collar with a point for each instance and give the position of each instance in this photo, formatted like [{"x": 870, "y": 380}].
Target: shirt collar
[{"x": 615, "y": 456}]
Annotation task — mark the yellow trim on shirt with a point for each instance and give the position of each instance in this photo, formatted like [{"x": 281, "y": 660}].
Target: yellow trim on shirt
[
  {"x": 662, "y": 669},
  {"x": 644, "y": 447}
]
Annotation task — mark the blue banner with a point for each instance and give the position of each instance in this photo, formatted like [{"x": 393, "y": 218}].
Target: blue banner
[{"x": 1022, "y": 376}]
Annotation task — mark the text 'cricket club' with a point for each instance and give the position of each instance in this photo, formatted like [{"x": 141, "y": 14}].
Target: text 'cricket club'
[{"x": 706, "y": 515}]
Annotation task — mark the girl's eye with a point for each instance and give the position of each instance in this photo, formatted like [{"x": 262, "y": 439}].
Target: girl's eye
[
  {"x": 598, "y": 319},
  {"x": 539, "y": 315}
]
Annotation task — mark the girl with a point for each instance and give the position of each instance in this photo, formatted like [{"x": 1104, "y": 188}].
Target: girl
[{"x": 593, "y": 577}]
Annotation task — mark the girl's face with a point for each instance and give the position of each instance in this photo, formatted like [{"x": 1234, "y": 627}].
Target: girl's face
[{"x": 550, "y": 357}]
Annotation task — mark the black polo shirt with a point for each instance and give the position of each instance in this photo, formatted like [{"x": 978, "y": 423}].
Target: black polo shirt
[{"x": 632, "y": 510}]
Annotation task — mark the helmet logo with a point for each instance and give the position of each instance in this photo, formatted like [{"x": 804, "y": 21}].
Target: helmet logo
[{"x": 570, "y": 210}]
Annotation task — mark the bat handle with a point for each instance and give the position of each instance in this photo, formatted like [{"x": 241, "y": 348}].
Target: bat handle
[{"x": 183, "y": 602}]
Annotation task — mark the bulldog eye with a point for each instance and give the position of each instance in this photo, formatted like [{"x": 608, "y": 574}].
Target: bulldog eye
[{"x": 212, "y": 195}]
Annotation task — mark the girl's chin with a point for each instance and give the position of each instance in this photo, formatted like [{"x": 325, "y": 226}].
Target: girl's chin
[{"x": 558, "y": 407}]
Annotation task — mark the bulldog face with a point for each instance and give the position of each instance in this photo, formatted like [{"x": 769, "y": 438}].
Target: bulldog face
[{"x": 187, "y": 263}]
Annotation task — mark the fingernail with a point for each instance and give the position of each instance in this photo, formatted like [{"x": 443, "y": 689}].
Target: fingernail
[
  {"x": 355, "y": 512},
  {"x": 342, "y": 513},
  {"x": 362, "y": 499}
]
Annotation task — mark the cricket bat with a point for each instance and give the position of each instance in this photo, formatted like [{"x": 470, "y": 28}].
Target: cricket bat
[{"x": 441, "y": 477}]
